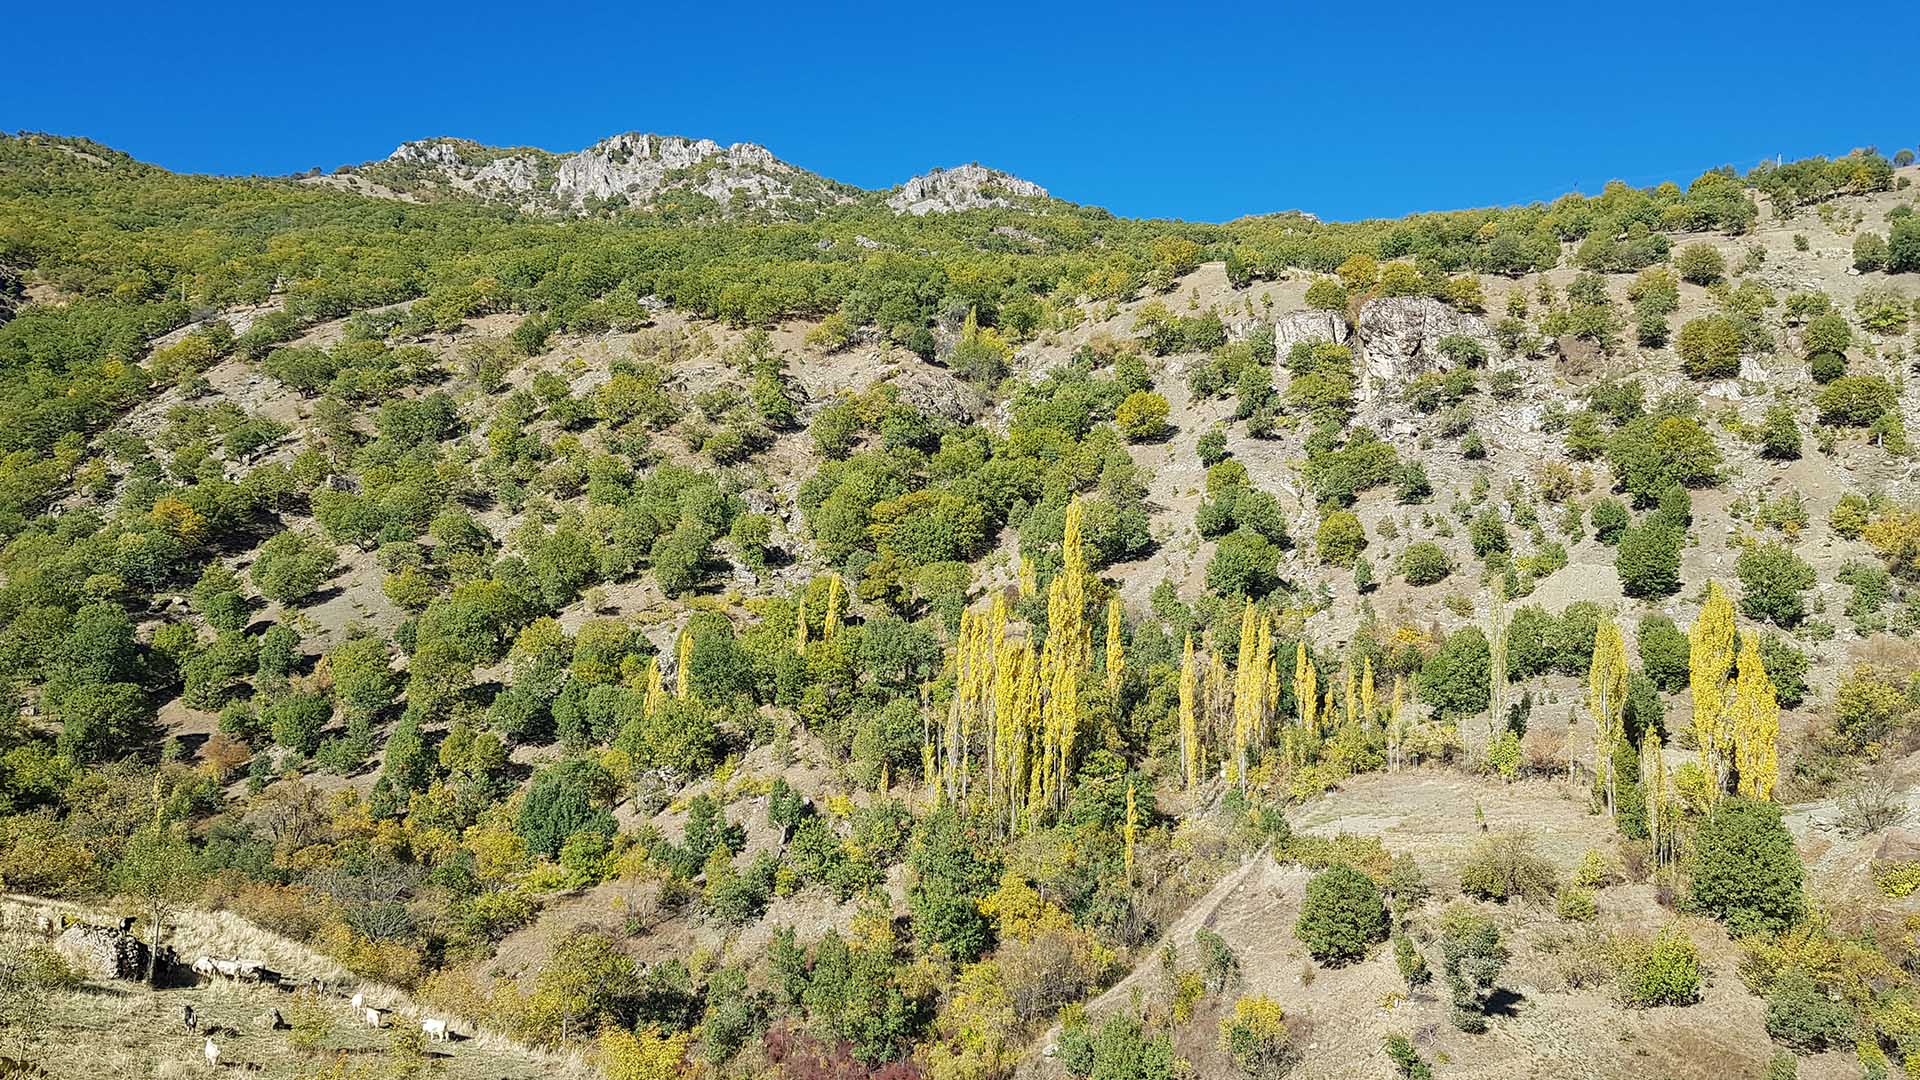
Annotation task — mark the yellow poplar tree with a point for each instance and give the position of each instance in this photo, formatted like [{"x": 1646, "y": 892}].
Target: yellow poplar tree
[
  {"x": 1653, "y": 777},
  {"x": 1116, "y": 653},
  {"x": 1189, "y": 720},
  {"x": 800, "y": 628},
  {"x": 1709, "y": 659},
  {"x": 1606, "y": 701},
  {"x": 1305, "y": 691},
  {"x": 832, "y": 621},
  {"x": 683, "y": 685},
  {"x": 1756, "y": 726}
]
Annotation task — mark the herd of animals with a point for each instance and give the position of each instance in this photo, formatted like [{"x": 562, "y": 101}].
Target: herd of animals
[{"x": 207, "y": 969}]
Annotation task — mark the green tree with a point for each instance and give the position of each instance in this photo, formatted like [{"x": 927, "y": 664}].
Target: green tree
[
  {"x": 1710, "y": 347},
  {"x": 565, "y": 798},
  {"x": 1342, "y": 916},
  {"x": 292, "y": 566},
  {"x": 1773, "y": 583},
  {"x": 1473, "y": 957},
  {"x": 161, "y": 870},
  {"x": 1454, "y": 680},
  {"x": 1648, "y": 560},
  {"x": 1700, "y": 264},
  {"x": 1746, "y": 870}
]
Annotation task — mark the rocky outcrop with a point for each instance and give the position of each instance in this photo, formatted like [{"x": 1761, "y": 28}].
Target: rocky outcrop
[
  {"x": 1400, "y": 338},
  {"x": 634, "y": 168},
  {"x": 1295, "y": 327},
  {"x": 969, "y": 187},
  {"x": 935, "y": 393}
]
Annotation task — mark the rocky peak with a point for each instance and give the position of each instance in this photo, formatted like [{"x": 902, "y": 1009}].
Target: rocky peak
[
  {"x": 635, "y": 168},
  {"x": 969, "y": 187}
]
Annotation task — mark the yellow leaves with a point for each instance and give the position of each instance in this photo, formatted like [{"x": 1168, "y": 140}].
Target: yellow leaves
[
  {"x": 644, "y": 1054},
  {"x": 1019, "y": 911},
  {"x": 1895, "y": 536},
  {"x": 1710, "y": 657},
  {"x": 1189, "y": 718},
  {"x": 498, "y": 852},
  {"x": 1756, "y": 724},
  {"x": 684, "y": 654},
  {"x": 176, "y": 518}
]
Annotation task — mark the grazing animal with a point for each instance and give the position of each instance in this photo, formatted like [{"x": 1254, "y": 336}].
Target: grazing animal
[
  {"x": 359, "y": 1000},
  {"x": 435, "y": 1028},
  {"x": 228, "y": 968},
  {"x": 279, "y": 1022},
  {"x": 373, "y": 1017},
  {"x": 205, "y": 967},
  {"x": 191, "y": 1021},
  {"x": 213, "y": 1053}
]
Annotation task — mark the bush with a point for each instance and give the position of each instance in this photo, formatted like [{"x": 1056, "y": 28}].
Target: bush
[
  {"x": 1664, "y": 653},
  {"x": 1802, "y": 1016},
  {"x": 1869, "y": 252},
  {"x": 1700, "y": 264},
  {"x": 1506, "y": 867},
  {"x": 1648, "y": 560},
  {"x": 1709, "y": 347},
  {"x": 1399, "y": 1050},
  {"x": 1772, "y": 581},
  {"x": 1425, "y": 563},
  {"x": 1472, "y": 959},
  {"x": 1746, "y": 871},
  {"x": 1412, "y": 965},
  {"x": 1142, "y": 416},
  {"x": 1609, "y": 517},
  {"x": 1255, "y": 1036},
  {"x": 1244, "y": 563},
  {"x": 1662, "y": 971},
  {"x": 1341, "y": 538},
  {"x": 1780, "y": 434},
  {"x": 1855, "y": 400},
  {"x": 1824, "y": 367},
  {"x": 1343, "y": 916},
  {"x": 1454, "y": 679}
]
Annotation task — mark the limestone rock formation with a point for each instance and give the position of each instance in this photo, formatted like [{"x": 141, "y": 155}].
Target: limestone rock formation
[
  {"x": 635, "y": 168},
  {"x": 969, "y": 187},
  {"x": 1295, "y": 327},
  {"x": 1400, "y": 338}
]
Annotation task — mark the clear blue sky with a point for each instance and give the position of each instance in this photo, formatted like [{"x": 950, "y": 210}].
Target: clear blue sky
[{"x": 1344, "y": 110}]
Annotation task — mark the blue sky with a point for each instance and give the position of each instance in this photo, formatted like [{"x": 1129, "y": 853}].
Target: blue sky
[{"x": 1343, "y": 110}]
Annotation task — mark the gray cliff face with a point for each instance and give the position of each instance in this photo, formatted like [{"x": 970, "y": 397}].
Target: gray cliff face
[
  {"x": 635, "y": 167},
  {"x": 969, "y": 187},
  {"x": 1400, "y": 338},
  {"x": 642, "y": 171}
]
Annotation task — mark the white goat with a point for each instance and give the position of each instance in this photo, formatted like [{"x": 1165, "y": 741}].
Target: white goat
[
  {"x": 435, "y": 1028},
  {"x": 373, "y": 1017},
  {"x": 213, "y": 1053},
  {"x": 359, "y": 1000}
]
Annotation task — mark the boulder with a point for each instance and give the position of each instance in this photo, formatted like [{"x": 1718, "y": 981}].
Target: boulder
[
  {"x": 935, "y": 392},
  {"x": 1400, "y": 338},
  {"x": 1295, "y": 327},
  {"x": 1899, "y": 846}
]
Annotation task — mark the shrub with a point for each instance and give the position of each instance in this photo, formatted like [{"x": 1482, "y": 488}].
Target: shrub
[
  {"x": 1780, "y": 434},
  {"x": 1340, "y": 538},
  {"x": 1342, "y": 917},
  {"x": 1400, "y": 1051},
  {"x": 1506, "y": 867},
  {"x": 1855, "y": 400},
  {"x": 1772, "y": 581},
  {"x": 1576, "y": 904},
  {"x": 1661, "y": 971},
  {"x": 1801, "y": 1015},
  {"x": 1700, "y": 264},
  {"x": 1454, "y": 679},
  {"x": 1648, "y": 560},
  {"x": 1412, "y": 965},
  {"x": 1664, "y": 652},
  {"x": 1824, "y": 367},
  {"x": 1869, "y": 252},
  {"x": 1473, "y": 957},
  {"x": 1142, "y": 416},
  {"x": 1255, "y": 1036},
  {"x": 1609, "y": 517},
  {"x": 1746, "y": 870},
  {"x": 1425, "y": 563},
  {"x": 1709, "y": 347},
  {"x": 1488, "y": 533}
]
